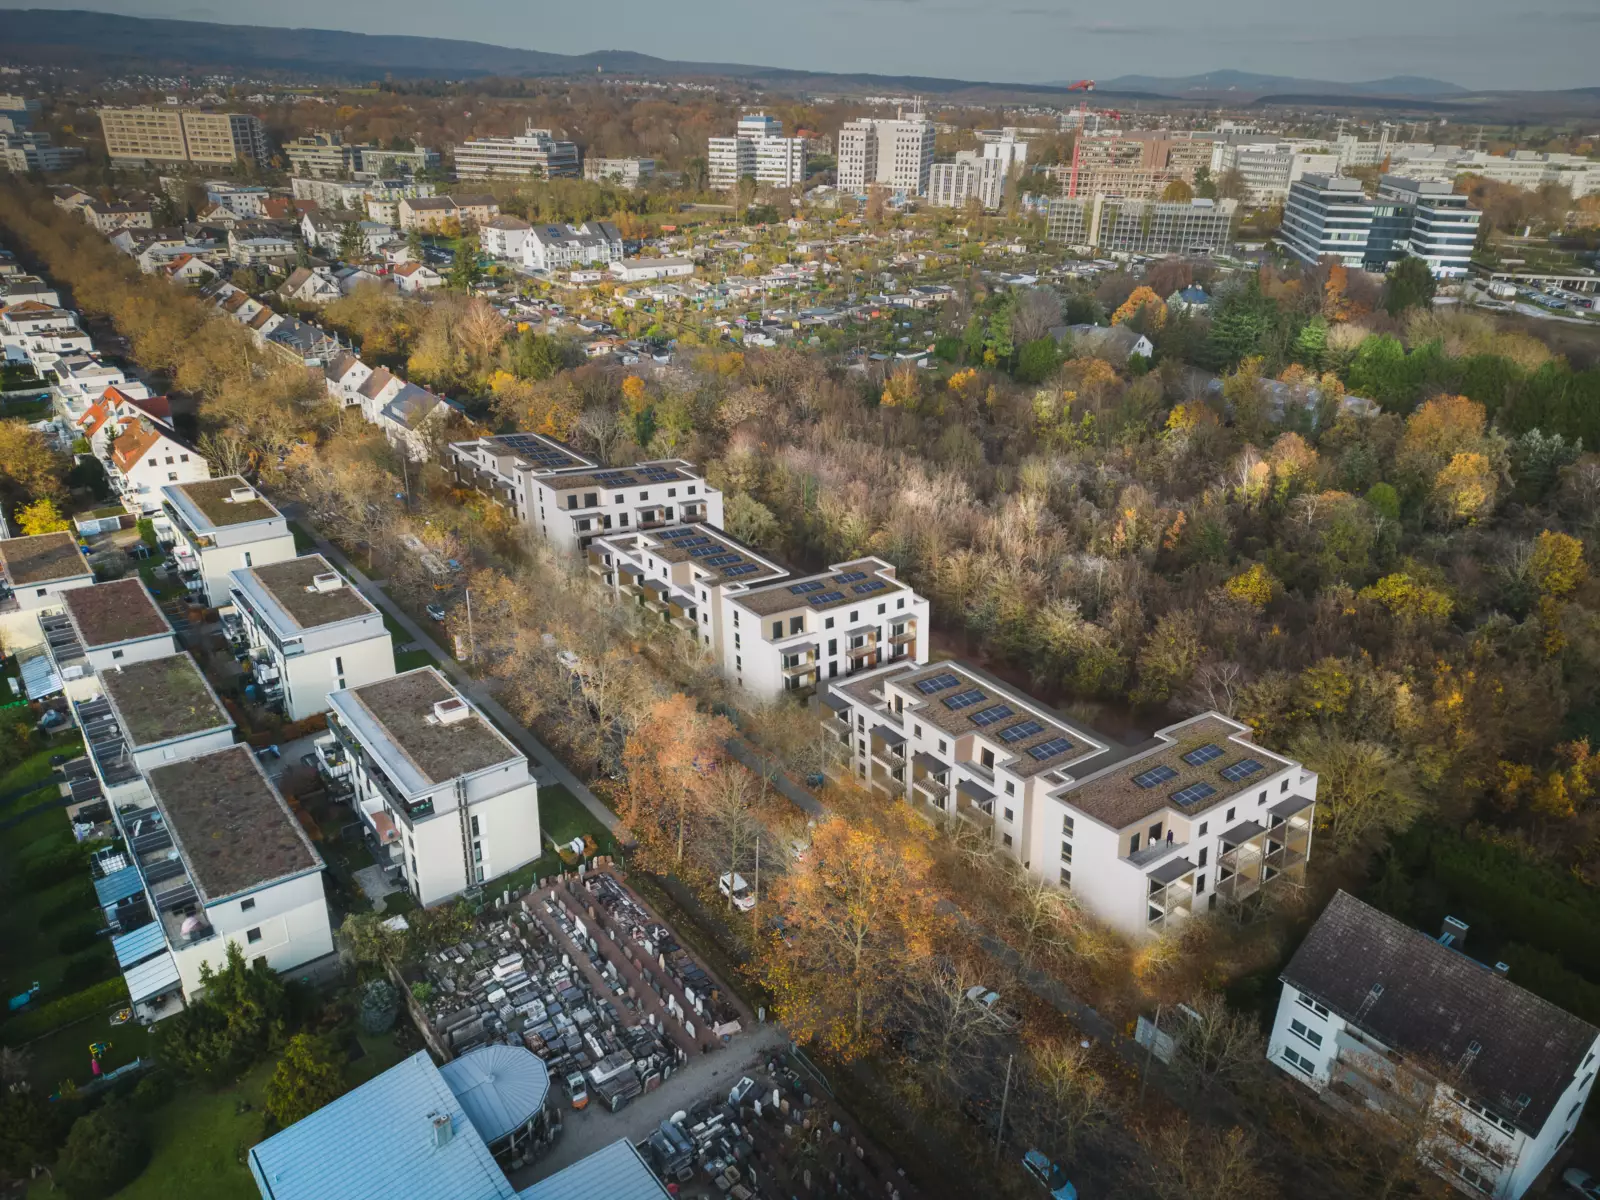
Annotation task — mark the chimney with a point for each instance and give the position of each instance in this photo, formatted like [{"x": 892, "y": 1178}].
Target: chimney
[
  {"x": 1502, "y": 969},
  {"x": 1454, "y": 933},
  {"x": 443, "y": 1129}
]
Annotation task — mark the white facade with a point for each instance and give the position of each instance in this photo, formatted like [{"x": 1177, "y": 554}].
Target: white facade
[
  {"x": 627, "y": 172},
  {"x": 1327, "y": 216},
  {"x": 221, "y": 526},
  {"x": 445, "y": 797},
  {"x": 758, "y": 149},
  {"x": 36, "y": 570},
  {"x": 1444, "y": 225},
  {"x": 144, "y": 459},
  {"x": 504, "y": 237},
  {"x": 780, "y": 161},
  {"x": 896, "y": 154},
  {"x": 643, "y": 270},
  {"x": 558, "y": 247},
  {"x": 501, "y": 467},
  {"x": 533, "y": 154},
  {"x": 728, "y": 160},
  {"x": 570, "y": 508}
]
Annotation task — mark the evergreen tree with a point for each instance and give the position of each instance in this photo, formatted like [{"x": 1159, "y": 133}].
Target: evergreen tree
[
  {"x": 1411, "y": 285},
  {"x": 308, "y": 1077},
  {"x": 1312, "y": 344},
  {"x": 350, "y": 242},
  {"x": 104, "y": 1153}
]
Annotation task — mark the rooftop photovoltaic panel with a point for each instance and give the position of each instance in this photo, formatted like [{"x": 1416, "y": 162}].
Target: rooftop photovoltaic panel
[
  {"x": 672, "y": 535},
  {"x": 702, "y": 551},
  {"x": 990, "y": 716},
  {"x": 965, "y": 699},
  {"x": 1155, "y": 776},
  {"x": 810, "y": 585},
  {"x": 721, "y": 560},
  {"x": 1194, "y": 793},
  {"x": 1050, "y": 749},
  {"x": 1241, "y": 770},
  {"x": 937, "y": 684},
  {"x": 702, "y": 540},
  {"x": 1017, "y": 733},
  {"x": 742, "y": 569},
  {"x": 851, "y": 576},
  {"x": 1205, "y": 754},
  {"x": 872, "y": 586},
  {"x": 827, "y": 597}
]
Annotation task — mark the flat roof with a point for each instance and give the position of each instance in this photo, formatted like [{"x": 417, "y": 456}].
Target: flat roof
[
  {"x": 720, "y": 557},
  {"x": 163, "y": 698},
  {"x": 42, "y": 558},
  {"x": 538, "y": 452},
  {"x": 399, "y": 712},
  {"x": 640, "y": 475},
  {"x": 208, "y": 505},
  {"x": 292, "y": 603},
  {"x": 120, "y": 611},
  {"x": 863, "y": 581},
  {"x": 1154, "y": 778},
  {"x": 232, "y": 827}
]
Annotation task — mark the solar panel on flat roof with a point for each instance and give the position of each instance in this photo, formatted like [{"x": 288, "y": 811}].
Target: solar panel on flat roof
[
  {"x": 964, "y": 699},
  {"x": 702, "y": 540},
  {"x": 1155, "y": 776},
  {"x": 672, "y": 535},
  {"x": 1050, "y": 749},
  {"x": 721, "y": 560},
  {"x": 937, "y": 684},
  {"x": 810, "y": 585},
  {"x": 870, "y": 586},
  {"x": 1242, "y": 769},
  {"x": 742, "y": 569},
  {"x": 702, "y": 551},
  {"x": 1203, "y": 755},
  {"x": 1017, "y": 733},
  {"x": 851, "y": 576},
  {"x": 1194, "y": 793},
  {"x": 827, "y": 597},
  {"x": 990, "y": 716}
]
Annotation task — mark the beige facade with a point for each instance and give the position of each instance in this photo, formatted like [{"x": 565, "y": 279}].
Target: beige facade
[{"x": 180, "y": 135}]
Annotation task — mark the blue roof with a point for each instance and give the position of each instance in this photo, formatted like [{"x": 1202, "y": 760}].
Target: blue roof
[
  {"x": 614, "y": 1173},
  {"x": 501, "y": 1088},
  {"x": 117, "y": 886},
  {"x": 377, "y": 1143},
  {"x": 135, "y": 947}
]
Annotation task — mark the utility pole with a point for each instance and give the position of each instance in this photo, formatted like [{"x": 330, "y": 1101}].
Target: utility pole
[
  {"x": 1005, "y": 1095},
  {"x": 756, "y": 893}
]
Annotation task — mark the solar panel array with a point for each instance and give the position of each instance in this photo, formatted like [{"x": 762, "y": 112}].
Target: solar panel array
[
  {"x": 810, "y": 585},
  {"x": 1241, "y": 770},
  {"x": 873, "y": 586},
  {"x": 742, "y": 569},
  {"x": 965, "y": 699},
  {"x": 851, "y": 576},
  {"x": 1203, "y": 755},
  {"x": 1017, "y": 733},
  {"x": 672, "y": 535},
  {"x": 937, "y": 684},
  {"x": 537, "y": 451},
  {"x": 992, "y": 716},
  {"x": 827, "y": 597},
  {"x": 1050, "y": 749},
  {"x": 1155, "y": 776},
  {"x": 1194, "y": 793},
  {"x": 722, "y": 560}
]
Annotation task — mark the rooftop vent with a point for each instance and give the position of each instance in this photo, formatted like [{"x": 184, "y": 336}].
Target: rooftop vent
[
  {"x": 443, "y": 1129},
  {"x": 326, "y": 581},
  {"x": 241, "y": 495},
  {"x": 1502, "y": 969},
  {"x": 448, "y": 712},
  {"x": 1454, "y": 933}
]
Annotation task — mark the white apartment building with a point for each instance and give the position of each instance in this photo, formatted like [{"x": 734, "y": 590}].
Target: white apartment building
[
  {"x": 758, "y": 149},
  {"x": 500, "y": 467},
  {"x": 896, "y": 154},
  {"x": 952, "y": 184},
  {"x": 1380, "y": 1016},
  {"x": 759, "y": 125},
  {"x": 559, "y": 247},
  {"x": 571, "y": 508},
  {"x": 101, "y": 628},
  {"x": 981, "y": 174},
  {"x": 781, "y": 161},
  {"x": 1268, "y": 168},
  {"x": 145, "y": 458},
  {"x": 535, "y": 154},
  {"x": 728, "y": 160},
  {"x": 1443, "y": 227},
  {"x": 443, "y": 794},
  {"x": 308, "y": 633},
  {"x": 504, "y": 237},
  {"x": 35, "y": 572},
  {"x": 796, "y": 633},
  {"x": 630, "y": 173},
  {"x": 219, "y": 526},
  {"x": 223, "y": 862}
]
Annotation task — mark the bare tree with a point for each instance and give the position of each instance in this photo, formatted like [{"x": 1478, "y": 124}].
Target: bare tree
[
  {"x": 1063, "y": 1096},
  {"x": 1038, "y": 312},
  {"x": 1217, "y": 686},
  {"x": 1188, "y": 1163},
  {"x": 1215, "y": 1046}
]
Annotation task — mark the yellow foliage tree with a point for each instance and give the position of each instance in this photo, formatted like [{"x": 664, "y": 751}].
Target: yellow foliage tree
[
  {"x": 635, "y": 396},
  {"x": 1254, "y": 587},
  {"x": 902, "y": 389},
  {"x": 1556, "y": 565},
  {"x": 1152, "y": 305},
  {"x": 1464, "y": 489},
  {"x": 42, "y": 516},
  {"x": 1410, "y": 600},
  {"x": 1440, "y": 429}
]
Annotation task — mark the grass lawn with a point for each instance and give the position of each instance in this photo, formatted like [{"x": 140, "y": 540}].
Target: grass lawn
[
  {"x": 64, "y": 1054},
  {"x": 405, "y": 660},
  {"x": 32, "y": 775},
  {"x": 304, "y": 543},
  {"x": 562, "y": 817},
  {"x": 166, "y": 588}
]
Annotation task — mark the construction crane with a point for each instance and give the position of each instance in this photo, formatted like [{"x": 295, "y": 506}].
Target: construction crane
[{"x": 1083, "y": 85}]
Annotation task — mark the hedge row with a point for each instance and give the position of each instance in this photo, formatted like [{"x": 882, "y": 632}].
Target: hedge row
[{"x": 64, "y": 1011}]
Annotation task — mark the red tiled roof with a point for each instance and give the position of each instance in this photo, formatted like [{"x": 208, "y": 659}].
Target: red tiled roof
[
  {"x": 97, "y": 415},
  {"x": 137, "y": 440},
  {"x": 159, "y": 407}
]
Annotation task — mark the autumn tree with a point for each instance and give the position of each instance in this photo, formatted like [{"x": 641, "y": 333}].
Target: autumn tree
[
  {"x": 28, "y": 466},
  {"x": 1365, "y": 789},
  {"x": 1149, "y": 309},
  {"x": 669, "y": 759},
  {"x": 1064, "y": 1096},
  {"x": 42, "y": 516}
]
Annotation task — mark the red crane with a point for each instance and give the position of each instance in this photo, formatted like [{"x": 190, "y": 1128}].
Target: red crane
[{"x": 1083, "y": 85}]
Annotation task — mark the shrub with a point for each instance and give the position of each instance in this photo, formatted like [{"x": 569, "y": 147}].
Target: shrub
[
  {"x": 64, "y": 1011},
  {"x": 379, "y": 1007},
  {"x": 105, "y": 1152},
  {"x": 155, "y": 1089},
  {"x": 80, "y": 937},
  {"x": 86, "y": 969}
]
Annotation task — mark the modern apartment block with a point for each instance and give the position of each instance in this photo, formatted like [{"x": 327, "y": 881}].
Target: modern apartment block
[
  {"x": 219, "y": 526},
  {"x": 1376, "y": 1014},
  {"x": 1135, "y": 165},
  {"x": 308, "y": 633},
  {"x": 757, "y": 149},
  {"x": 1267, "y": 167},
  {"x": 1330, "y": 216},
  {"x": 561, "y": 247},
  {"x": 952, "y": 184},
  {"x": 35, "y": 572},
  {"x": 140, "y": 136},
  {"x": 535, "y": 154},
  {"x": 1107, "y": 223},
  {"x": 500, "y": 467},
  {"x": 570, "y": 508},
  {"x": 101, "y": 628},
  {"x": 896, "y": 154},
  {"x": 1327, "y": 216},
  {"x": 328, "y": 156},
  {"x": 625, "y": 172},
  {"x": 728, "y": 160},
  {"x": 447, "y": 800},
  {"x": 977, "y": 174}
]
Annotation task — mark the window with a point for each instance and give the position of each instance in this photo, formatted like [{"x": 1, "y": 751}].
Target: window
[
  {"x": 1204, "y": 825},
  {"x": 1283, "y": 787},
  {"x": 1230, "y": 813},
  {"x": 253, "y": 936},
  {"x": 1066, "y": 826},
  {"x": 777, "y": 629},
  {"x": 900, "y": 603},
  {"x": 247, "y": 559},
  {"x": 1155, "y": 833},
  {"x": 1066, "y": 877},
  {"x": 116, "y": 654},
  {"x": 828, "y": 624},
  {"x": 1011, "y": 788},
  {"x": 475, "y": 827},
  {"x": 1066, "y": 852},
  {"x": 1200, "y": 884},
  {"x": 247, "y": 905},
  {"x": 1010, "y": 815},
  {"x": 796, "y": 624},
  {"x": 1305, "y": 1033},
  {"x": 882, "y": 608},
  {"x": 1006, "y": 838},
  {"x": 1204, "y": 850},
  {"x": 172, "y": 477},
  {"x": 1308, "y": 1002},
  {"x": 1133, "y": 843},
  {"x": 477, "y": 852},
  {"x": 941, "y": 745},
  {"x": 1299, "y": 1062}
]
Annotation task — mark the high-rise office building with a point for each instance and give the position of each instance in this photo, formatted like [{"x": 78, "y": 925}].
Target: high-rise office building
[
  {"x": 178, "y": 135},
  {"x": 1328, "y": 216},
  {"x": 1104, "y": 222},
  {"x": 758, "y": 149},
  {"x": 895, "y": 153}
]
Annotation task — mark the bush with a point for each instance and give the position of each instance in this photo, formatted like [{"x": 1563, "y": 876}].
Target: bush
[
  {"x": 55, "y": 865},
  {"x": 64, "y": 1011},
  {"x": 104, "y": 1153},
  {"x": 71, "y": 906},
  {"x": 80, "y": 937},
  {"x": 87, "y": 969},
  {"x": 155, "y": 1089}
]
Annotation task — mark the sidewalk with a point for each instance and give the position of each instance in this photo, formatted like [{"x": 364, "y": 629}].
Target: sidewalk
[{"x": 553, "y": 769}]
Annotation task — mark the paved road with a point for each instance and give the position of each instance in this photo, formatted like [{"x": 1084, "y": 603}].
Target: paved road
[{"x": 553, "y": 769}]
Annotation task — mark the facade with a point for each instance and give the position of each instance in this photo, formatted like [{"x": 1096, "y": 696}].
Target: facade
[
  {"x": 535, "y": 154},
  {"x": 104, "y": 627},
  {"x": 643, "y": 270},
  {"x": 1377, "y": 1015},
  {"x": 559, "y": 247},
  {"x": 1135, "y": 165},
  {"x": 34, "y": 151},
  {"x": 978, "y": 174},
  {"x": 1269, "y": 167},
  {"x": 758, "y": 149},
  {"x": 728, "y": 160},
  {"x": 327, "y": 156},
  {"x": 170, "y": 135},
  {"x": 780, "y": 161},
  {"x": 431, "y": 213},
  {"x": 219, "y": 526},
  {"x": 1443, "y": 226},
  {"x": 952, "y": 184},
  {"x": 502, "y": 467},
  {"x": 145, "y": 458},
  {"x": 1327, "y": 216},
  {"x": 625, "y": 172},
  {"x": 108, "y": 218},
  {"x": 504, "y": 236},
  {"x": 896, "y": 154},
  {"x": 570, "y": 508},
  {"x": 307, "y": 633},
  {"x": 442, "y": 793},
  {"x": 1330, "y": 216},
  {"x": 1193, "y": 227}
]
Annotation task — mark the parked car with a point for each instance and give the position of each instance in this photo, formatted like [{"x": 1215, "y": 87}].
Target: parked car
[
  {"x": 1582, "y": 1182},
  {"x": 989, "y": 1002},
  {"x": 733, "y": 886},
  {"x": 1049, "y": 1175},
  {"x": 436, "y": 611}
]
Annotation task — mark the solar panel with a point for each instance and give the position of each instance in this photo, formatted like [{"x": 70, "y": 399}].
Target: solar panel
[
  {"x": 721, "y": 560},
  {"x": 1017, "y": 732},
  {"x": 672, "y": 535},
  {"x": 702, "y": 540},
  {"x": 1241, "y": 770},
  {"x": 851, "y": 576},
  {"x": 1194, "y": 793},
  {"x": 874, "y": 585},
  {"x": 742, "y": 569},
  {"x": 1050, "y": 749},
  {"x": 990, "y": 716},
  {"x": 965, "y": 699},
  {"x": 1198, "y": 758},
  {"x": 827, "y": 597},
  {"x": 937, "y": 684},
  {"x": 1155, "y": 776},
  {"x": 811, "y": 585},
  {"x": 702, "y": 551}
]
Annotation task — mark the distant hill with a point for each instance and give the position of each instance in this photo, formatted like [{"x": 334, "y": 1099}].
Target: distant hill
[{"x": 1246, "y": 85}]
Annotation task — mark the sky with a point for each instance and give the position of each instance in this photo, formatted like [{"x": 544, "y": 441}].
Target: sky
[{"x": 1476, "y": 43}]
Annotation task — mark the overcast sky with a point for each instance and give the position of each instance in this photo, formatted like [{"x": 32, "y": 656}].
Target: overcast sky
[{"x": 1476, "y": 43}]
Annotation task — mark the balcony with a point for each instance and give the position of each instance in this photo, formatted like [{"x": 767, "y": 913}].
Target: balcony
[
  {"x": 1241, "y": 867},
  {"x": 1153, "y": 853},
  {"x": 1170, "y": 893}
]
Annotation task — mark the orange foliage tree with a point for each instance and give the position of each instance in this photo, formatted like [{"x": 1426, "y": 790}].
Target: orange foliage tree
[
  {"x": 669, "y": 759},
  {"x": 1146, "y": 301}
]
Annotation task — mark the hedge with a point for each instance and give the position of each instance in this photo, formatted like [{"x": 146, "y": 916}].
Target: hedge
[{"x": 64, "y": 1011}]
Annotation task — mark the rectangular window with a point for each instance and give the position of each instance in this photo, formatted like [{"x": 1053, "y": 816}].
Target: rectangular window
[
  {"x": 1006, "y": 838},
  {"x": 475, "y": 827},
  {"x": 1307, "y": 1001},
  {"x": 1010, "y": 816},
  {"x": 777, "y": 629},
  {"x": 1066, "y": 877},
  {"x": 1298, "y": 1062},
  {"x": 1066, "y": 852},
  {"x": 1204, "y": 850},
  {"x": 247, "y": 905},
  {"x": 1204, "y": 825},
  {"x": 1199, "y": 885},
  {"x": 254, "y": 935},
  {"x": 1305, "y": 1033}
]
